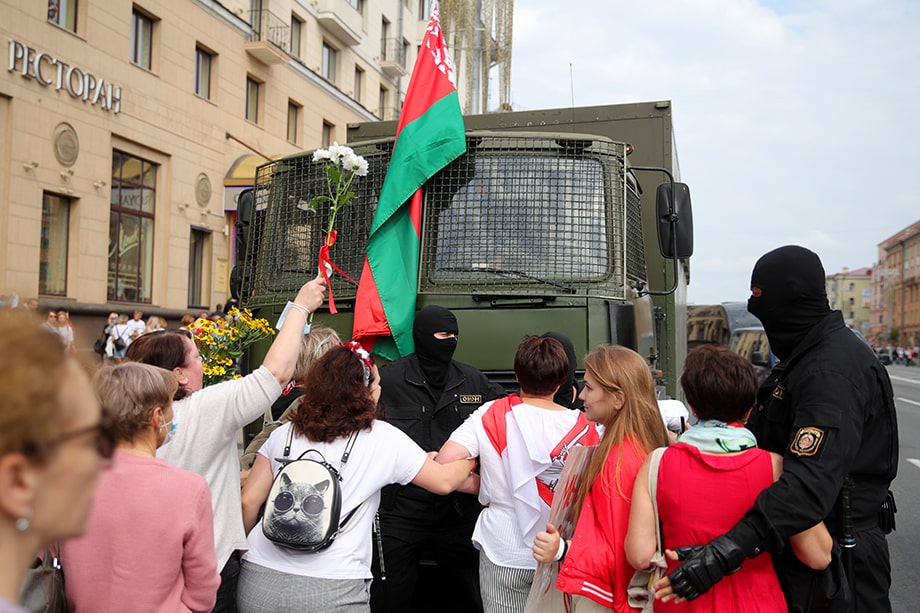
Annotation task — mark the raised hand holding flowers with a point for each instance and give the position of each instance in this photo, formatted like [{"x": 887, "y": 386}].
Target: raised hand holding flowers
[{"x": 342, "y": 165}]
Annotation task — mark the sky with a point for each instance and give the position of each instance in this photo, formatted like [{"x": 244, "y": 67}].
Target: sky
[{"x": 797, "y": 122}]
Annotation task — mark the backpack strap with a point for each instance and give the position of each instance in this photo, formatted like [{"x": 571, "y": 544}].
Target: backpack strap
[
  {"x": 287, "y": 444},
  {"x": 345, "y": 455},
  {"x": 348, "y": 447}
]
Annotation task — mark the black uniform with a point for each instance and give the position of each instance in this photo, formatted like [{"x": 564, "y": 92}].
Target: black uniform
[
  {"x": 413, "y": 521},
  {"x": 828, "y": 408}
]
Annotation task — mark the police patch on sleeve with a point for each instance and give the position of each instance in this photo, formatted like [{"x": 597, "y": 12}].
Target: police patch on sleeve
[{"x": 807, "y": 441}]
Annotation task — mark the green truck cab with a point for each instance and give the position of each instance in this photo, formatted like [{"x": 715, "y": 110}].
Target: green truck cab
[{"x": 541, "y": 225}]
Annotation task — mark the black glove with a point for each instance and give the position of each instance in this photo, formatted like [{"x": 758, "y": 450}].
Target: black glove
[{"x": 704, "y": 566}]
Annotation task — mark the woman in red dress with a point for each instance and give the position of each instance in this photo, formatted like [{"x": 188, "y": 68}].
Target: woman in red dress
[{"x": 706, "y": 483}]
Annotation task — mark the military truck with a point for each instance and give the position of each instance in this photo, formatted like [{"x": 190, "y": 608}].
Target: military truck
[{"x": 543, "y": 224}]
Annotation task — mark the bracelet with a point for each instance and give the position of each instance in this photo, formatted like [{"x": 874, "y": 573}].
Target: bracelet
[
  {"x": 303, "y": 310},
  {"x": 563, "y": 549}
]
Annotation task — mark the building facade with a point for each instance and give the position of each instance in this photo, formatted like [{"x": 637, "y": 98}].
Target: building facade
[
  {"x": 850, "y": 291},
  {"x": 128, "y": 128},
  {"x": 895, "y": 316}
]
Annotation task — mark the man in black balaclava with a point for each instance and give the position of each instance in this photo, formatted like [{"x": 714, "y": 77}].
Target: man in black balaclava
[
  {"x": 828, "y": 409},
  {"x": 427, "y": 395},
  {"x": 788, "y": 296}
]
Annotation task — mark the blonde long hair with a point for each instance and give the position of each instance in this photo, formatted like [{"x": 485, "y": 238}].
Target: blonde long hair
[{"x": 617, "y": 368}]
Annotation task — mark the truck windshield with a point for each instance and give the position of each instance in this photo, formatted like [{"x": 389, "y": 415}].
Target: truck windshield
[{"x": 542, "y": 218}]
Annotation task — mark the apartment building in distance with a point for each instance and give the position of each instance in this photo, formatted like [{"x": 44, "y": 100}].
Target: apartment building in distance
[
  {"x": 127, "y": 129},
  {"x": 850, "y": 292},
  {"x": 895, "y": 314}
]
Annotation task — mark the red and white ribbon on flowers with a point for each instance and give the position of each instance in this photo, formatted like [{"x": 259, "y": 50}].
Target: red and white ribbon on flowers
[{"x": 326, "y": 264}]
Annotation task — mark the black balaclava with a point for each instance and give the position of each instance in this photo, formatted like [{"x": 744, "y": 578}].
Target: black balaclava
[
  {"x": 434, "y": 354},
  {"x": 565, "y": 395},
  {"x": 793, "y": 297}
]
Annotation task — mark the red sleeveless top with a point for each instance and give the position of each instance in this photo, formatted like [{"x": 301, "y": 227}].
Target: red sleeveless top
[{"x": 701, "y": 497}]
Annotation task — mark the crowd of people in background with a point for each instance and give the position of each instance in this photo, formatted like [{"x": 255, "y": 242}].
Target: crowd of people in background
[
  {"x": 749, "y": 498},
  {"x": 118, "y": 332}
]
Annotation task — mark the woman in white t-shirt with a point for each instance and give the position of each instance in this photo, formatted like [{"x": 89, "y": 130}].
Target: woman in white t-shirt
[
  {"x": 340, "y": 397},
  {"x": 522, "y": 443}
]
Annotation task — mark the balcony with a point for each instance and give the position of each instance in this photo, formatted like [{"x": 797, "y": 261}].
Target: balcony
[
  {"x": 340, "y": 19},
  {"x": 393, "y": 58},
  {"x": 270, "y": 38}
]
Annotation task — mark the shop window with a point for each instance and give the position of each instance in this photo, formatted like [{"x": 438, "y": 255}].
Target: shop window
[
  {"x": 131, "y": 222},
  {"x": 55, "y": 238}
]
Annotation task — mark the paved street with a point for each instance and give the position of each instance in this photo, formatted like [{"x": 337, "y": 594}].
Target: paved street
[{"x": 904, "y": 543}]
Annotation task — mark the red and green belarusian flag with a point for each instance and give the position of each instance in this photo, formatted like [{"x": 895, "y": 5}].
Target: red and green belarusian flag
[{"x": 430, "y": 135}]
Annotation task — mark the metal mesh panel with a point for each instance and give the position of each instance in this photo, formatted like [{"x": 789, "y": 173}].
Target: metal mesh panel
[
  {"x": 516, "y": 214},
  {"x": 635, "y": 246},
  {"x": 526, "y": 215},
  {"x": 285, "y": 237}
]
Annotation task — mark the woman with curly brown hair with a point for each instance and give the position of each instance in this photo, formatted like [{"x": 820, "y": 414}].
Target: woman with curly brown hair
[{"x": 340, "y": 397}]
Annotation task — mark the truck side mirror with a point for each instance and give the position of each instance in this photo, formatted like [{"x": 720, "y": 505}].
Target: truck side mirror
[{"x": 675, "y": 221}]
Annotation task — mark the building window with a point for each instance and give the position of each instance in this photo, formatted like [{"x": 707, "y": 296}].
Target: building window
[
  {"x": 382, "y": 103},
  {"x": 134, "y": 191},
  {"x": 203, "y": 62},
  {"x": 197, "y": 268},
  {"x": 384, "y": 37},
  {"x": 296, "y": 35},
  {"x": 293, "y": 120},
  {"x": 141, "y": 39},
  {"x": 52, "y": 264},
  {"x": 359, "y": 84},
  {"x": 404, "y": 53},
  {"x": 424, "y": 10},
  {"x": 63, "y": 13},
  {"x": 252, "y": 99},
  {"x": 328, "y": 67},
  {"x": 328, "y": 133},
  {"x": 358, "y": 5}
]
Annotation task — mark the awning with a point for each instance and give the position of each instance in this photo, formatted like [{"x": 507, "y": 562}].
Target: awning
[{"x": 242, "y": 172}]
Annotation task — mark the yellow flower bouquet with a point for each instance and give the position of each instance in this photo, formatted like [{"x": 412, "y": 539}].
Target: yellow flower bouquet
[{"x": 222, "y": 343}]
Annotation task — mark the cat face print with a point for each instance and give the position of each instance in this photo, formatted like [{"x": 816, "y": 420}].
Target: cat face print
[{"x": 298, "y": 510}]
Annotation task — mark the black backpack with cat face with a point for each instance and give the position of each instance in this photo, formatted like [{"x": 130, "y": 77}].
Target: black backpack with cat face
[{"x": 305, "y": 500}]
